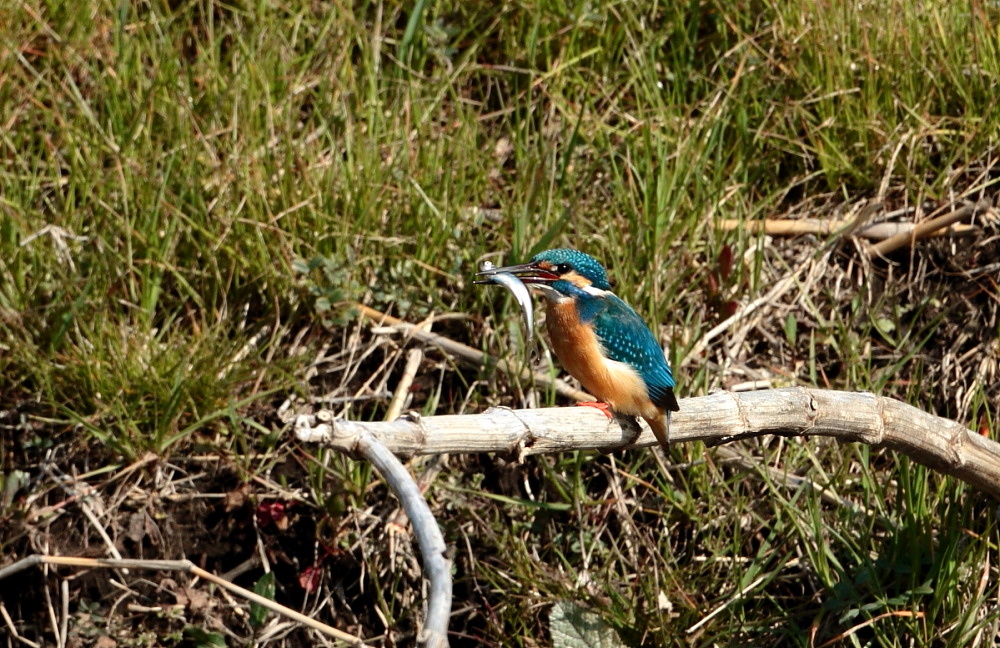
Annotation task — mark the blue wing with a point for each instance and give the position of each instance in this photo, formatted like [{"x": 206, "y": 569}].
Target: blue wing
[{"x": 626, "y": 338}]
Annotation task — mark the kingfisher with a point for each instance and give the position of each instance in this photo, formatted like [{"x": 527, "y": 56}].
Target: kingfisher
[{"x": 599, "y": 339}]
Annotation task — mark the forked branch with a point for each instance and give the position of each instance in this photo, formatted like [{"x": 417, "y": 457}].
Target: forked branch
[{"x": 863, "y": 417}]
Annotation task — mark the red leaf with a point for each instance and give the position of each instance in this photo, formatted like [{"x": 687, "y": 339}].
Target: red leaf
[
  {"x": 310, "y": 577},
  {"x": 272, "y": 513},
  {"x": 726, "y": 262}
]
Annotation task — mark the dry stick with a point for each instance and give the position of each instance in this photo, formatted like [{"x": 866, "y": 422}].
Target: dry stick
[
  {"x": 181, "y": 566},
  {"x": 938, "y": 443},
  {"x": 861, "y": 417},
  {"x": 789, "y": 227},
  {"x": 13, "y": 629},
  {"x": 413, "y": 360},
  {"x": 437, "y": 568},
  {"x": 472, "y": 356},
  {"x": 925, "y": 229}
]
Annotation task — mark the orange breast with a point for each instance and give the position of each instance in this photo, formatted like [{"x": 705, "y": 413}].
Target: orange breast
[{"x": 580, "y": 353}]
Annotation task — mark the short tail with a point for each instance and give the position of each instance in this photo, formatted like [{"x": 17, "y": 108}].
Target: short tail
[{"x": 661, "y": 429}]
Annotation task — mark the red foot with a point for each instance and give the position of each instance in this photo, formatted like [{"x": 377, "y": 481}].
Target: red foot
[{"x": 604, "y": 407}]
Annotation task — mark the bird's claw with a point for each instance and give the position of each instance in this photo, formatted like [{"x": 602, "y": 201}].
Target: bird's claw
[{"x": 598, "y": 405}]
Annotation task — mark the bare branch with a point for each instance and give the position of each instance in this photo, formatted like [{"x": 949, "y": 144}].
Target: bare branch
[
  {"x": 432, "y": 547},
  {"x": 720, "y": 418},
  {"x": 862, "y": 417},
  {"x": 926, "y": 229},
  {"x": 825, "y": 227}
]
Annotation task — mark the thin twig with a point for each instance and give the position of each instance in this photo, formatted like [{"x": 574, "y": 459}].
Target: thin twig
[
  {"x": 63, "y": 612},
  {"x": 13, "y": 629},
  {"x": 473, "y": 356},
  {"x": 181, "y": 566},
  {"x": 413, "y": 360}
]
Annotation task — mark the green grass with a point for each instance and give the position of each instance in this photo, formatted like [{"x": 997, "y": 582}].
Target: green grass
[{"x": 213, "y": 174}]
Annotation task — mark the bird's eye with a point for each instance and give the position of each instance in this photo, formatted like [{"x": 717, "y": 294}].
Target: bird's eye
[{"x": 563, "y": 268}]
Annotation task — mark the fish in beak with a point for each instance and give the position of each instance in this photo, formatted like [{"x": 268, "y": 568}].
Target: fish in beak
[{"x": 509, "y": 279}]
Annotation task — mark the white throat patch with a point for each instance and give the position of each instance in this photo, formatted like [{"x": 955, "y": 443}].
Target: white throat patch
[
  {"x": 554, "y": 295},
  {"x": 596, "y": 292}
]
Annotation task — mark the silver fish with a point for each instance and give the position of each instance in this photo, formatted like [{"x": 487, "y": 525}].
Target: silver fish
[{"x": 517, "y": 288}]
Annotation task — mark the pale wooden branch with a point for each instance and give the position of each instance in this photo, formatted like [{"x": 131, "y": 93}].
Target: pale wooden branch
[
  {"x": 723, "y": 417},
  {"x": 413, "y": 360},
  {"x": 432, "y": 547},
  {"x": 823, "y": 227},
  {"x": 927, "y": 228}
]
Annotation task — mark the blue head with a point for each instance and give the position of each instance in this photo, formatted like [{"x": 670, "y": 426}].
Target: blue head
[
  {"x": 573, "y": 266},
  {"x": 569, "y": 272}
]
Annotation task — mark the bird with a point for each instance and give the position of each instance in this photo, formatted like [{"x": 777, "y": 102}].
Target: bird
[{"x": 599, "y": 339}]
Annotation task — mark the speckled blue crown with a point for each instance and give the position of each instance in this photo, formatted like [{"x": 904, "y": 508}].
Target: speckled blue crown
[{"x": 584, "y": 264}]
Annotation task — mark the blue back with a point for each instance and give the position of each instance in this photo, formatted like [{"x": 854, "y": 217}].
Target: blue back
[{"x": 626, "y": 338}]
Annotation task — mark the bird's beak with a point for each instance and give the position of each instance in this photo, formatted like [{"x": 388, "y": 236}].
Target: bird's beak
[{"x": 529, "y": 273}]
